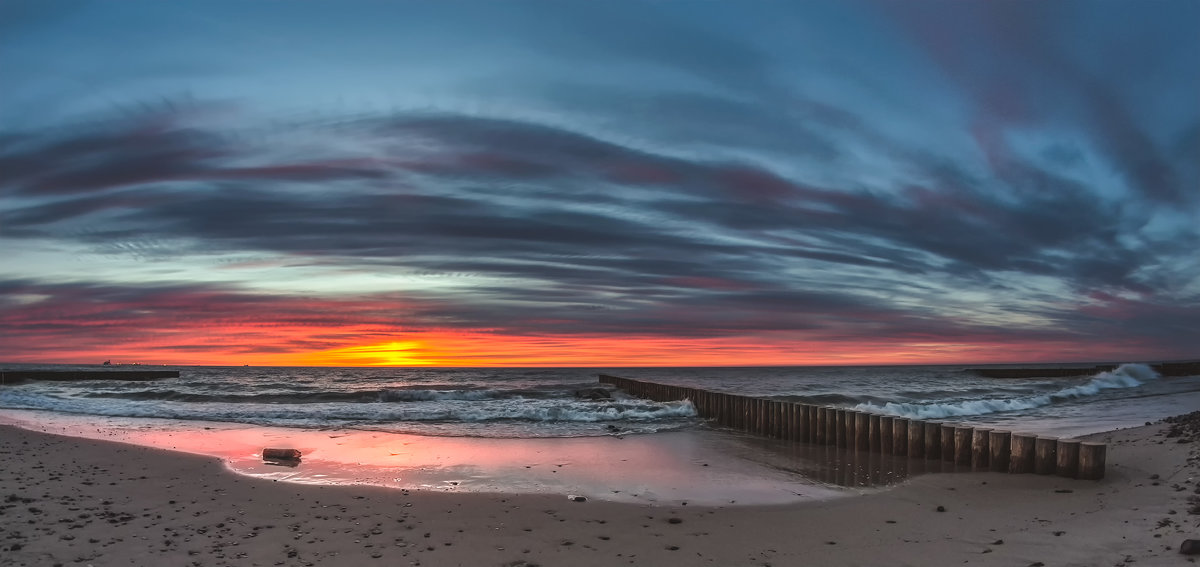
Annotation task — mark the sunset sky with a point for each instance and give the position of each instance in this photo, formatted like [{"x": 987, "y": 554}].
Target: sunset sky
[{"x": 577, "y": 183}]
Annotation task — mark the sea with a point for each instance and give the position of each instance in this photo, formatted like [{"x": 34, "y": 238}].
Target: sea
[
  {"x": 535, "y": 431},
  {"x": 544, "y": 402}
]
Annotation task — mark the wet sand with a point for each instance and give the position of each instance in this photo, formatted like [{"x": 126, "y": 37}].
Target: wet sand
[{"x": 73, "y": 501}]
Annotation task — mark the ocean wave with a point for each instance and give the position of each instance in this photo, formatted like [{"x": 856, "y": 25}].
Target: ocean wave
[
  {"x": 586, "y": 412},
  {"x": 1124, "y": 376},
  {"x": 352, "y": 414},
  {"x": 831, "y": 399},
  {"x": 384, "y": 395}
]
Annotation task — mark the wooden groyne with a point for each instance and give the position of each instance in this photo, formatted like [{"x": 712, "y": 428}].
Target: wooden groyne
[
  {"x": 1163, "y": 368},
  {"x": 19, "y": 376},
  {"x": 973, "y": 448}
]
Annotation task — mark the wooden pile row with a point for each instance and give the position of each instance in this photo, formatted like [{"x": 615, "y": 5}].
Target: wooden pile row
[{"x": 980, "y": 448}]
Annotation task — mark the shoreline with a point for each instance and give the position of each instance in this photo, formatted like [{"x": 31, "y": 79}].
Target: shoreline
[{"x": 71, "y": 500}]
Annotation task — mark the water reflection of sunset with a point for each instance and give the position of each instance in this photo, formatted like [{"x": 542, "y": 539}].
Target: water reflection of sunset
[{"x": 691, "y": 466}]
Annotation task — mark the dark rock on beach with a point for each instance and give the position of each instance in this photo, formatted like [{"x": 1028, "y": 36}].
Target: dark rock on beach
[{"x": 1186, "y": 426}]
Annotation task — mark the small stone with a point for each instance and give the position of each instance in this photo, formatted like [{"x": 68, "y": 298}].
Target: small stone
[
  {"x": 941, "y": 508},
  {"x": 1190, "y": 547},
  {"x": 674, "y": 521}
]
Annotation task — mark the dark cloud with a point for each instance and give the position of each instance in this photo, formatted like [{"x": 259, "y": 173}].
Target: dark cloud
[
  {"x": 1018, "y": 62},
  {"x": 731, "y": 203},
  {"x": 530, "y": 200},
  {"x": 35, "y": 315}
]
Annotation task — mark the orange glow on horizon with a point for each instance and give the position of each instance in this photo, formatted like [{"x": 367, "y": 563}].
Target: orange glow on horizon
[{"x": 486, "y": 349}]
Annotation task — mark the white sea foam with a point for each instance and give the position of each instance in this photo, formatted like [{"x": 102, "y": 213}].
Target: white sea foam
[
  {"x": 1124, "y": 376},
  {"x": 444, "y": 406},
  {"x": 436, "y": 395},
  {"x": 581, "y": 412}
]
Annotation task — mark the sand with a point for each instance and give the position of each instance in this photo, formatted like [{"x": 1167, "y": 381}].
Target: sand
[{"x": 72, "y": 501}]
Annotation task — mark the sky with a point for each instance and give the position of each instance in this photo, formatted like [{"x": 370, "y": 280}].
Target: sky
[{"x": 570, "y": 183}]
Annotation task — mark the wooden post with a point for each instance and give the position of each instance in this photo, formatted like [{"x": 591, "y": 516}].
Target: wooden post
[
  {"x": 852, "y": 429},
  {"x": 822, "y": 419},
  {"x": 948, "y": 442},
  {"x": 980, "y": 448},
  {"x": 783, "y": 411},
  {"x": 916, "y": 439},
  {"x": 1091, "y": 460},
  {"x": 873, "y": 438},
  {"x": 899, "y": 436},
  {"x": 832, "y": 427},
  {"x": 809, "y": 423},
  {"x": 735, "y": 411},
  {"x": 771, "y": 407},
  {"x": 835, "y": 427},
  {"x": 773, "y": 414},
  {"x": 1045, "y": 460},
  {"x": 933, "y": 440},
  {"x": 840, "y": 428},
  {"x": 746, "y": 413},
  {"x": 1068, "y": 458},
  {"x": 1021, "y": 459},
  {"x": 732, "y": 403},
  {"x": 862, "y": 431},
  {"x": 813, "y": 429},
  {"x": 760, "y": 416},
  {"x": 783, "y": 426},
  {"x": 766, "y": 421},
  {"x": 1000, "y": 451},
  {"x": 792, "y": 421},
  {"x": 752, "y": 415},
  {"x": 962, "y": 445},
  {"x": 886, "y": 436}
]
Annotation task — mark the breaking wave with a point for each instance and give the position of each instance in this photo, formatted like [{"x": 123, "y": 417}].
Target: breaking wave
[
  {"x": 384, "y": 395},
  {"x": 477, "y": 406},
  {"x": 1124, "y": 376}
]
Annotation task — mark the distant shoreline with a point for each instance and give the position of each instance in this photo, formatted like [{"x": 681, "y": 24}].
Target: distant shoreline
[{"x": 19, "y": 376}]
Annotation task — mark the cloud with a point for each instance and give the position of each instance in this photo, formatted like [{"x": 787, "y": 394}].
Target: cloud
[
  {"x": 1019, "y": 64},
  {"x": 530, "y": 200},
  {"x": 718, "y": 185}
]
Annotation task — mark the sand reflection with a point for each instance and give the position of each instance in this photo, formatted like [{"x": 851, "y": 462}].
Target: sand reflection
[
  {"x": 705, "y": 466},
  {"x": 685, "y": 466}
]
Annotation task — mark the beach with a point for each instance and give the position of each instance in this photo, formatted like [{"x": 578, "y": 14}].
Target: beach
[{"x": 74, "y": 501}]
